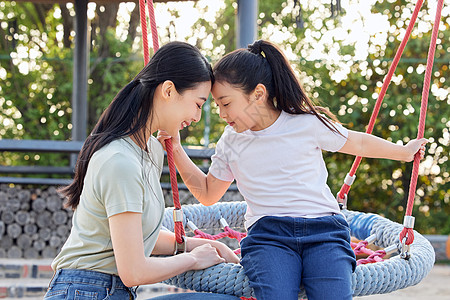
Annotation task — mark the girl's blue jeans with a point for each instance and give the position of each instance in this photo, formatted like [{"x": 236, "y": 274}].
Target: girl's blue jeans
[
  {"x": 86, "y": 284},
  {"x": 280, "y": 254}
]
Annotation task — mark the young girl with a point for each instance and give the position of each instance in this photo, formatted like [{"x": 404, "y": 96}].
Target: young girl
[
  {"x": 273, "y": 149},
  {"x": 116, "y": 193}
]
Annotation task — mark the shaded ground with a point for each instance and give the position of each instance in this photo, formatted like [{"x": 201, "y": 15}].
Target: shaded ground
[{"x": 435, "y": 286}]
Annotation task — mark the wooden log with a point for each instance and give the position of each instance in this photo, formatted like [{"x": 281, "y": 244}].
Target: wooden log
[
  {"x": 6, "y": 242},
  {"x": 55, "y": 241},
  {"x": 2, "y": 229},
  {"x": 22, "y": 217},
  {"x": 48, "y": 252},
  {"x": 7, "y": 217},
  {"x": 23, "y": 195},
  {"x": 39, "y": 205},
  {"x": 54, "y": 203},
  {"x": 39, "y": 245},
  {"x": 24, "y": 241},
  {"x": 30, "y": 229},
  {"x": 14, "y": 205},
  {"x": 25, "y": 206},
  {"x": 14, "y": 230},
  {"x": 31, "y": 253},
  {"x": 59, "y": 217},
  {"x": 14, "y": 252},
  {"x": 45, "y": 234},
  {"x": 33, "y": 216},
  {"x": 4, "y": 196},
  {"x": 63, "y": 231},
  {"x": 44, "y": 220}
]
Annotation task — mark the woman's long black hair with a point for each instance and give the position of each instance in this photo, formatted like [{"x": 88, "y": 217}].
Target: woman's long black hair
[
  {"x": 263, "y": 62},
  {"x": 132, "y": 108}
]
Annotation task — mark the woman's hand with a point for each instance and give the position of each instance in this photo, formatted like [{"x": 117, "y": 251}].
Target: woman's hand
[
  {"x": 164, "y": 135},
  {"x": 223, "y": 250},
  {"x": 414, "y": 146},
  {"x": 205, "y": 256}
]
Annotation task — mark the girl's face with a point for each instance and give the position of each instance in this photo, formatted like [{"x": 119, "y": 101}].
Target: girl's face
[
  {"x": 239, "y": 110},
  {"x": 180, "y": 110}
]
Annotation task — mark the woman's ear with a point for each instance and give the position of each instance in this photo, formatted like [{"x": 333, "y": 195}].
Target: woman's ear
[
  {"x": 260, "y": 93},
  {"x": 167, "y": 89}
]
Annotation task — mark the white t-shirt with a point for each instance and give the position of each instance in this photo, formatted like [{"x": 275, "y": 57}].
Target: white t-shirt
[{"x": 280, "y": 170}]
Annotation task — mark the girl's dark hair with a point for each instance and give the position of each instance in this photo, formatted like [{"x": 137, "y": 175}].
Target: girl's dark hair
[
  {"x": 132, "y": 108},
  {"x": 263, "y": 62}
]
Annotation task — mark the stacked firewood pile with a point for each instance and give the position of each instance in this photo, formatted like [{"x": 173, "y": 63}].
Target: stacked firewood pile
[{"x": 35, "y": 224}]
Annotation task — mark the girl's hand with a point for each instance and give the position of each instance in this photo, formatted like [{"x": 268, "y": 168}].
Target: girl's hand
[
  {"x": 223, "y": 250},
  {"x": 164, "y": 135},
  {"x": 205, "y": 256},
  {"x": 414, "y": 146}
]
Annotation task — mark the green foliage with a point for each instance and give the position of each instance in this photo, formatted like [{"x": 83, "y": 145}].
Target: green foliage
[{"x": 35, "y": 104}]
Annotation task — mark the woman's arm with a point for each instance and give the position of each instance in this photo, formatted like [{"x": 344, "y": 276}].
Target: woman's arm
[
  {"x": 366, "y": 145},
  {"x": 206, "y": 188},
  {"x": 136, "y": 269},
  {"x": 166, "y": 246}
]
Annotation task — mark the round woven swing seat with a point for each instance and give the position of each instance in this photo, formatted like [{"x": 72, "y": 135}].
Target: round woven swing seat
[{"x": 376, "y": 278}]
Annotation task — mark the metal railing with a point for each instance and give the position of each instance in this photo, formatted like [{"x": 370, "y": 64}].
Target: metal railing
[{"x": 71, "y": 147}]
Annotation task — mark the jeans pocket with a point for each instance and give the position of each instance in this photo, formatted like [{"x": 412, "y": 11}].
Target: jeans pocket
[
  {"x": 85, "y": 295},
  {"x": 57, "y": 292},
  {"x": 340, "y": 222}
]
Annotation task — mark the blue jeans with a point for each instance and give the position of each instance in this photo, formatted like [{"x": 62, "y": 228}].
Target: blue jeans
[
  {"x": 86, "y": 284},
  {"x": 196, "y": 296},
  {"x": 282, "y": 253}
]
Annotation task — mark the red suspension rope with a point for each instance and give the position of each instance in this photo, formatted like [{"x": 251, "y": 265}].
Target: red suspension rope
[
  {"x": 421, "y": 128},
  {"x": 179, "y": 227},
  {"x": 387, "y": 80}
]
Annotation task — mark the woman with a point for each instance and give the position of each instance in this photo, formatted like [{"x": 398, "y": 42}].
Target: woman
[{"x": 116, "y": 193}]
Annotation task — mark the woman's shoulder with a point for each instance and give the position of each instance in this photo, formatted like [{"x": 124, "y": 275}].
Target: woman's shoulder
[{"x": 115, "y": 156}]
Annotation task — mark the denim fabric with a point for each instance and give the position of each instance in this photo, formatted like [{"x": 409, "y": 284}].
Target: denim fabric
[
  {"x": 86, "y": 284},
  {"x": 196, "y": 296},
  {"x": 282, "y": 253}
]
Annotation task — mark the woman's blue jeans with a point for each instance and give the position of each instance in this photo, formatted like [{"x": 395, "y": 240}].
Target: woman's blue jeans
[
  {"x": 282, "y": 253},
  {"x": 86, "y": 284}
]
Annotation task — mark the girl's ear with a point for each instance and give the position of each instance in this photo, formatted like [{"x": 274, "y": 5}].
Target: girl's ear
[
  {"x": 167, "y": 89},
  {"x": 260, "y": 93}
]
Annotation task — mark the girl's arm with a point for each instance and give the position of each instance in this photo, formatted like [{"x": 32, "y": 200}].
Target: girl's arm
[
  {"x": 206, "y": 188},
  {"x": 136, "y": 269},
  {"x": 366, "y": 145}
]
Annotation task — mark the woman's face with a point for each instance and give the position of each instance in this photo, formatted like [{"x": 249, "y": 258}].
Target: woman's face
[
  {"x": 180, "y": 110},
  {"x": 235, "y": 107}
]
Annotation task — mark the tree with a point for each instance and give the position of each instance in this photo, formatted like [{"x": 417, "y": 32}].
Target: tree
[{"x": 341, "y": 61}]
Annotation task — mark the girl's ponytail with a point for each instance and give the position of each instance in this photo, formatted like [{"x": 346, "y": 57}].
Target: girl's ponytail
[{"x": 263, "y": 62}]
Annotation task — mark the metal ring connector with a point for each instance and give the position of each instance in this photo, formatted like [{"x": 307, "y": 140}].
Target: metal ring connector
[
  {"x": 180, "y": 247},
  {"x": 349, "y": 179},
  {"x": 405, "y": 253},
  {"x": 177, "y": 215},
  {"x": 343, "y": 204},
  {"x": 408, "y": 222}
]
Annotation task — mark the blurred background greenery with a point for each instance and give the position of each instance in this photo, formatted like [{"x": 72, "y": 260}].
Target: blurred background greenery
[{"x": 341, "y": 59}]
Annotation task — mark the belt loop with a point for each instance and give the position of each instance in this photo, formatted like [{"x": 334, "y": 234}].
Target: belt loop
[
  {"x": 52, "y": 281},
  {"x": 113, "y": 284}
]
